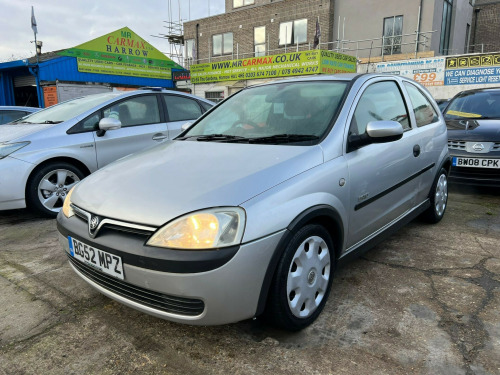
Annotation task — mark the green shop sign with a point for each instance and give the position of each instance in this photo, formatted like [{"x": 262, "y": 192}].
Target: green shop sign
[
  {"x": 284, "y": 65},
  {"x": 122, "y": 52}
]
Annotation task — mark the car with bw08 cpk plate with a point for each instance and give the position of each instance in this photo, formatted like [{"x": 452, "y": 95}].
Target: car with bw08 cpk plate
[
  {"x": 250, "y": 210},
  {"x": 473, "y": 120}
]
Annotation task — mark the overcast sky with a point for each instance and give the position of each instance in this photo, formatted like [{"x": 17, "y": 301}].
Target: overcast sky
[{"x": 68, "y": 23}]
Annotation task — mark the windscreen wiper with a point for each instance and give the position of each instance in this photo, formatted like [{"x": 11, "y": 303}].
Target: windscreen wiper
[
  {"x": 284, "y": 138},
  {"x": 212, "y": 137},
  {"x": 50, "y": 122}
]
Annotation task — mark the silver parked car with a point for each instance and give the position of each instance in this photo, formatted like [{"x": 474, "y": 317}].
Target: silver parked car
[
  {"x": 43, "y": 155},
  {"x": 251, "y": 209},
  {"x": 12, "y": 113}
]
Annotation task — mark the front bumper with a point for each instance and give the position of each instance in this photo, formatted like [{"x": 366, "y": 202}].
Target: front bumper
[
  {"x": 14, "y": 174},
  {"x": 225, "y": 294},
  {"x": 473, "y": 175}
]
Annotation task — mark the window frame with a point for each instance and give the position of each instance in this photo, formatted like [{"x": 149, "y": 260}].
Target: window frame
[
  {"x": 436, "y": 110},
  {"x": 355, "y": 104},
  {"x": 445, "y": 34},
  {"x": 244, "y": 3},
  {"x": 165, "y": 107},
  {"x": 396, "y": 40},
  {"x": 189, "y": 51},
  {"x": 223, "y": 53},
  {"x": 74, "y": 129},
  {"x": 255, "y": 44},
  {"x": 292, "y": 36}
]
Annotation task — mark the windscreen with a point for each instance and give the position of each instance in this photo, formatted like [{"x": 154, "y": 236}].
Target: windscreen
[
  {"x": 292, "y": 108},
  {"x": 67, "y": 110},
  {"x": 475, "y": 105}
]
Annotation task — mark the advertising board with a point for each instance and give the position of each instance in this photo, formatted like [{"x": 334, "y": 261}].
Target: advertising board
[
  {"x": 428, "y": 72},
  {"x": 283, "y": 65}
]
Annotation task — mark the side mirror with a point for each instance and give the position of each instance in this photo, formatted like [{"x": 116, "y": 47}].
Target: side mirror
[
  {"x": 109, "y": 123},
  {"x": 376, "y": 132},
  {"x": 187, "y": 125},
  {"x": 384, "y": 131}
]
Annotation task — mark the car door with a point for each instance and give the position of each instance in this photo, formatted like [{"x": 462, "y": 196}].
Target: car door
[
  {"x": 383, "y": 176},
  {"x": 428, "y": 128},
  {"x": 143, "y": 126},
  {"x": 180, "y": 109}
]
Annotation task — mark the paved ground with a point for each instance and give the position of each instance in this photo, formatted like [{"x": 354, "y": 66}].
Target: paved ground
[{"x": 426, "y": 301}]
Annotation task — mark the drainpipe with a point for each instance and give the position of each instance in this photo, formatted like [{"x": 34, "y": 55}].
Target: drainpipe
[
  {"x": 476, "y": 11},
  {"x": 197, "y": 44}
]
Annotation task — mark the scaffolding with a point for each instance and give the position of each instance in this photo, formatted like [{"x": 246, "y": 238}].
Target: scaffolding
[{"x": 174, "y": 34}]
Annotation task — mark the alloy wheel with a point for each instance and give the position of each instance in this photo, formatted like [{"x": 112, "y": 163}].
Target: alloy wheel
[{"x": 54, "y": 187}]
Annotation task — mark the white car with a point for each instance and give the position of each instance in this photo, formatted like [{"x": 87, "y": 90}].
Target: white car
[{"x": 43, "y": 155}]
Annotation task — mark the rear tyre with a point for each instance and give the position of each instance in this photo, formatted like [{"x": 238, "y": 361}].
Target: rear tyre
[
  {"x": 438, "y": 197},
  {"x": 303, "y": 278},
  {"x": 48, "y": 187}
]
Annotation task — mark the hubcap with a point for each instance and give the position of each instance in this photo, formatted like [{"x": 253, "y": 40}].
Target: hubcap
[
  {"x": 441, "y": 196},
  {"x": 308, "y": 276},
  {"x": 54, "y": 187}
]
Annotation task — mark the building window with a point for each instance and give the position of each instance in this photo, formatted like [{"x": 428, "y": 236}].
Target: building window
[
  {"x": 259, "y": 40},
  {"x": 215, "y": 96},
  {"x": 222, "y": 44},
  {"x": 190, "y": 49},
  {"x": 444, "y": 45},
  {"x": 393, "y": 31},
  {"x": 293, "y": 32},
  {"x": 241, "y": 3}
]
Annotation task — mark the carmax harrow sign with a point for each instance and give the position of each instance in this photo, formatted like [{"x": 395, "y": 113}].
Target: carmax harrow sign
[
  {"x": 284, "y": 65},
  {"x": 122, "y": 52}
]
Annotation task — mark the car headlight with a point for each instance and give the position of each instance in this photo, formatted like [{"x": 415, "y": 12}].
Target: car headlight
[
  {"x": 66, "y": 208},
  {"x": 8, "y": 148},
  {"x": 207, "y": 229}
]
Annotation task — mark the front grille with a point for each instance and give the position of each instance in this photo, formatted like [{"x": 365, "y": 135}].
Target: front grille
[
  {"x": 159, "y": 301},
  {"x": 456, "y": 145},
  {"x": 496, "y": 147},
  {"x": 112, "y": 224}
]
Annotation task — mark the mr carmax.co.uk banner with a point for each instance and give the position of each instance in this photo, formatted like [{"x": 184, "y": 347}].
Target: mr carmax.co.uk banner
[
  {"x": 122, "y": 52},
  {"x": 284, "y": 65}
]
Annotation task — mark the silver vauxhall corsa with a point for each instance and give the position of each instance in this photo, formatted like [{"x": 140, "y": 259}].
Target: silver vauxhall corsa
[
  {"x": 250, "y": 210},
  {"x": 43, "y": 155}
]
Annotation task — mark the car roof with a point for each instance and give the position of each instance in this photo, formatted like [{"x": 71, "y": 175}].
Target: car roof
[
  {"x": 19, "y": 108},
  {"x": 334, "y": 77}
]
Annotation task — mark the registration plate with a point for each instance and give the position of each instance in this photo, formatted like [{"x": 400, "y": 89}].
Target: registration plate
[
  {"x": 476, "y": 162},
  {"x": 102, "y": 260}
]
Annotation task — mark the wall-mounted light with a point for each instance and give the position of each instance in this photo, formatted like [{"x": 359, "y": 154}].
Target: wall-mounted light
[{"x": 39, "y": 45}]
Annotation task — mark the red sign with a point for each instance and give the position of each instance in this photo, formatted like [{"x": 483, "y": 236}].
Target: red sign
[{"x": 181, "y": 76}]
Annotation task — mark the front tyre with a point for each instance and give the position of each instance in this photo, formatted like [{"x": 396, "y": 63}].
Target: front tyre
[
  {"x": 48, "y": 187},
  {"x": 438, "y": 198},
  {"x": 303, "y": 279}
]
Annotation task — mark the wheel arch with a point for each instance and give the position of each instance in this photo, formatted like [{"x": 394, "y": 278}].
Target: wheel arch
[
  {"x": 77, "y": 163},
  {"x": 323, "y": 215}
]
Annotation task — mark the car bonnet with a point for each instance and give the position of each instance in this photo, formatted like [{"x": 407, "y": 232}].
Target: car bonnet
[
  {"x": 178, "y": 177},
  {"x": 9, "y": 133},
  {"x": 474, "y": 130}
]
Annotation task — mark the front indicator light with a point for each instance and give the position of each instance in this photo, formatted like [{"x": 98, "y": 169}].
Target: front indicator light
[
  {"x": 207, "y": 229},
  {"x": 66, "y": 208}
]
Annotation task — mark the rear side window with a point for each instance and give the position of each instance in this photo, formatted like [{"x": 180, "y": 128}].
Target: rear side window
[
  {"x": 422, "y": 107},
  {"x": 180, "y": 108},
  {"x": 206, "y": 106},
  {"x": 140, "y": 110},
  {"x": 381, "y": 101}
]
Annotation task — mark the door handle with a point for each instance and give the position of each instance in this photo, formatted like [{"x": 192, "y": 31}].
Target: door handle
[
  {"x": 159, "y": 137},
  {"x": 416, "y": 150}
]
